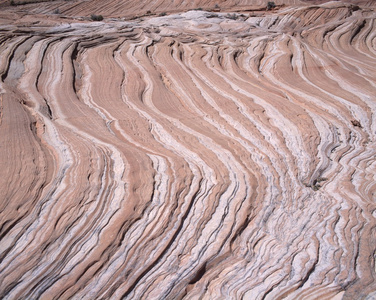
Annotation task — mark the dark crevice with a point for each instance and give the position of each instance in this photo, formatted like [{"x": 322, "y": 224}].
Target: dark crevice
[
  {"x": 7, "y": 289},
  {"x": 49, "y": 111},
  {"x": 172, "y": 240},
  {"x": 357, "y": 31},
  {"x": 4, "y": 76},
  {"x": 199, "y": 274},
  {"x": 47, "y": 107},
  {"x": 74, "y": 65},
  {"x": 310, "y": 271},
  {"x": 258, "y": 63},
  {"x": 241, "y": 228},
  {"x": 4, "y": 230}
]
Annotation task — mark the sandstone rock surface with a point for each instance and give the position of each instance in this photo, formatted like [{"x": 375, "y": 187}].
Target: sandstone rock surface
[{"x": 197, "y": 155}]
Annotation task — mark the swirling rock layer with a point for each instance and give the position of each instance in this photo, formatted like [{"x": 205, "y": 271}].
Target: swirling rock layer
[{"x": 197, "y": 155}]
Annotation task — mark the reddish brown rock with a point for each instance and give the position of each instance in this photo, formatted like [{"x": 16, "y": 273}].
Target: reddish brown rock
[{"x": 196, "y": 155}]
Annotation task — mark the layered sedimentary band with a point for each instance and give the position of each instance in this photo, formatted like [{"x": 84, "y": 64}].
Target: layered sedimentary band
[{"x": 199, "y": 155}]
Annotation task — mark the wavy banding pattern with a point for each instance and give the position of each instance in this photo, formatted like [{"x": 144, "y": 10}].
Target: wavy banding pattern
[{"x": 197, "y": 156}]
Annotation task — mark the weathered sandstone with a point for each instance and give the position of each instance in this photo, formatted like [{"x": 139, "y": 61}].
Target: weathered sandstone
[{"x": 197, "y": 155}]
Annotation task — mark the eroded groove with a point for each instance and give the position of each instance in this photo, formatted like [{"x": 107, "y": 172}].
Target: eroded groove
[{"x": 197, "y": 154}]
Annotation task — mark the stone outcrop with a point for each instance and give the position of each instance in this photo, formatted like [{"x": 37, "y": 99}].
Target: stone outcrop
[{"x": 197, "y": 155}]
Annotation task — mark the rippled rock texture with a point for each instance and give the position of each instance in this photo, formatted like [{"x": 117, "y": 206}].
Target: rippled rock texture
[{"x": 200, "y": 155}]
